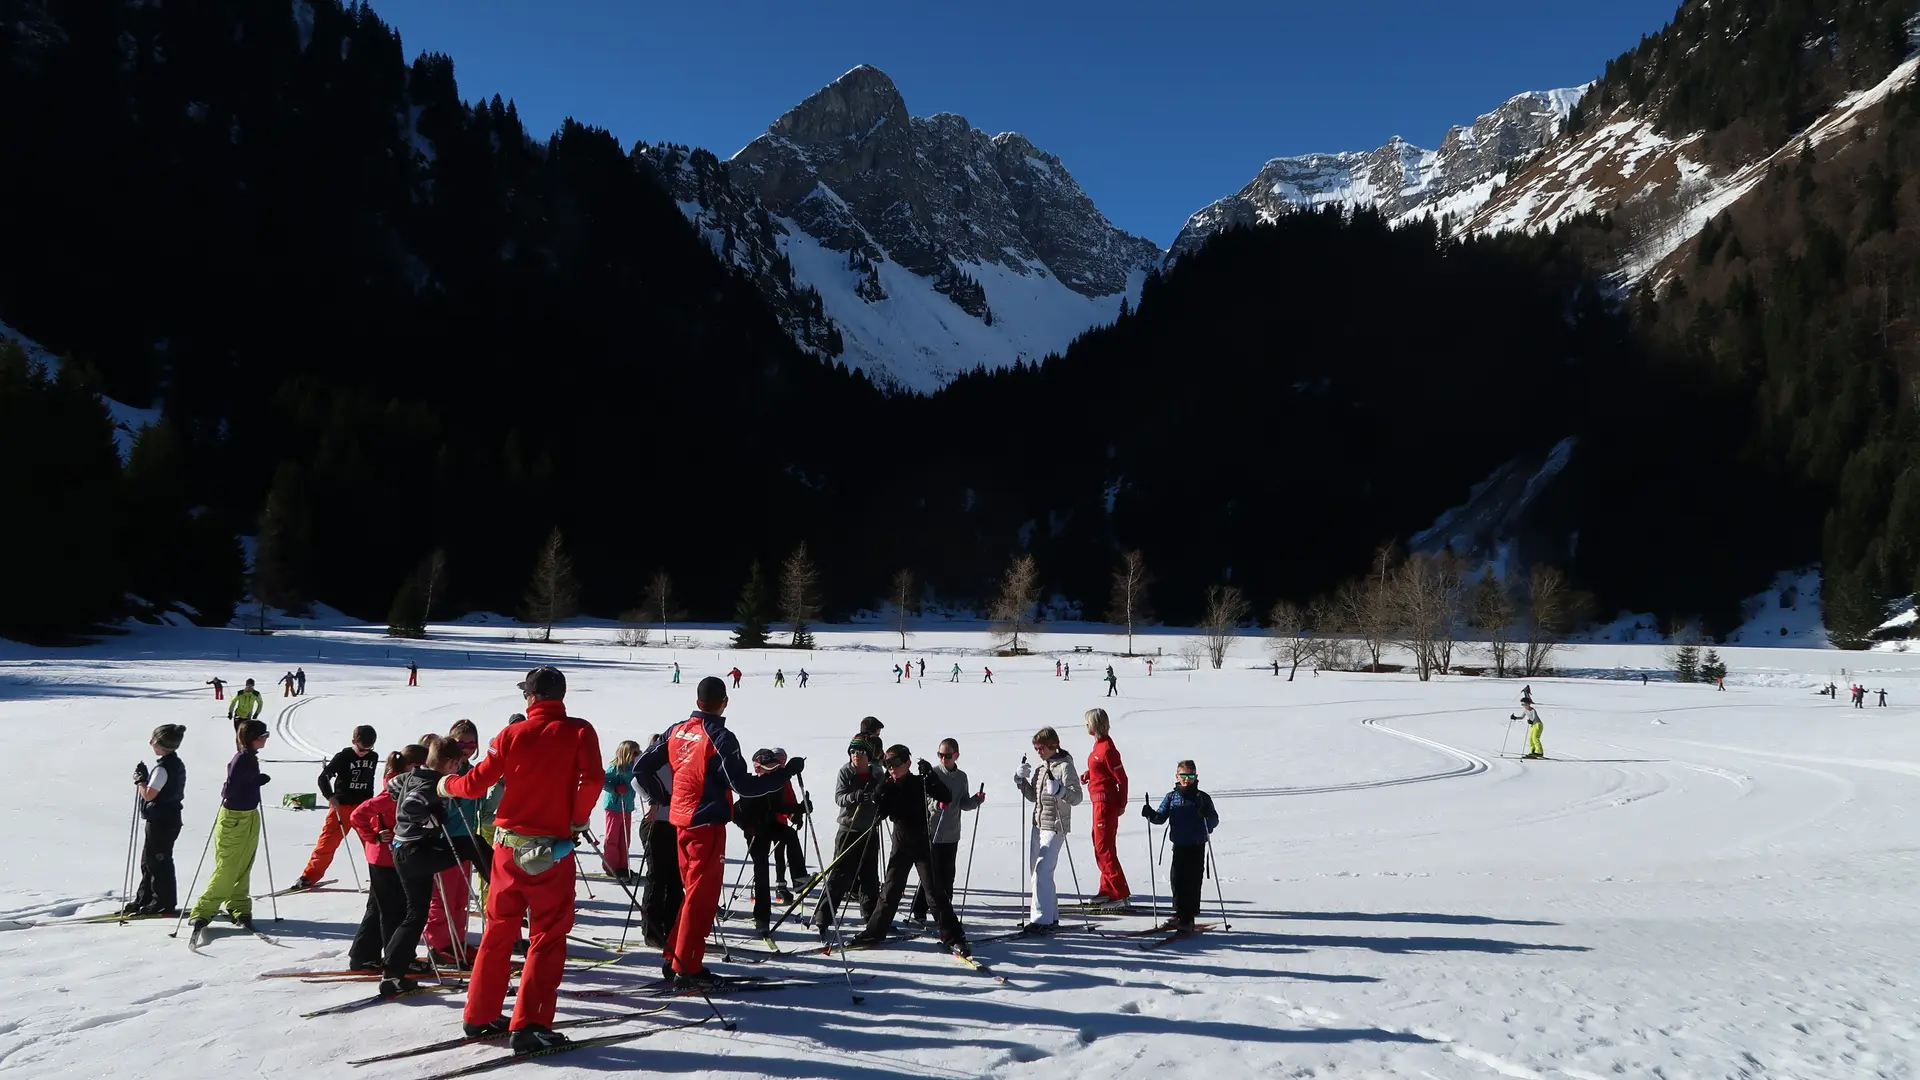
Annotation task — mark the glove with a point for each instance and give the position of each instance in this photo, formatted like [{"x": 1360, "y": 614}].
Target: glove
[
  {"x": 925, "y": 770},
  {"x": 265, "y": 779},
  {"x": 139, "y": 772},
  {"x": 982, "y": 796},
  {"x": 865, "y": 796},
  {"x": 1053, "y": 786},
  {"x": 579, "y": 828},
  {"x": 806, "y": 806},
  {"x": 796, "y": 765},
  {"x": 1025, "y": 773},
  {"x": 1146, "y": 811}
]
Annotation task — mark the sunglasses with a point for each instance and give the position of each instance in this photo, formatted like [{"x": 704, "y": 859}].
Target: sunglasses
[
  {"x": 1187, "y": 775},
  {"x": 948, "y": 753}
]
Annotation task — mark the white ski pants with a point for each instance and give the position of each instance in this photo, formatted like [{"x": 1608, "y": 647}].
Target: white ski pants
[{"x": 1045, "y": 853}]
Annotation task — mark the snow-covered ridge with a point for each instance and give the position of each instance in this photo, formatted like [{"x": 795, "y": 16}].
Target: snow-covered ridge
[
  {"x": 128, "y": 421},
  {"x": 933, "y": 248},
  {"x": 1400, "y": 180},
  {"x": 1654, "y": 184}
]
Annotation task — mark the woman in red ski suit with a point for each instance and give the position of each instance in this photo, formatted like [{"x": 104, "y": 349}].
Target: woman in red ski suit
[{"x": 1106, "y": 784}]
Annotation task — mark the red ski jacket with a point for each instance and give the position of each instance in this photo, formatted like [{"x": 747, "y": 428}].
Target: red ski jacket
[
  {"x": 368, "y": 818},
  {"x": 707, "y": 770},
  {"x": 1106, "y": 778},
  {"x": 551, "y": 763}
]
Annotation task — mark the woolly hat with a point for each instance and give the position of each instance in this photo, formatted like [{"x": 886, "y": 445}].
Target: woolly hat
[
  {"x": 860, "y": 743},
  {"x": 169, "y": 736}
]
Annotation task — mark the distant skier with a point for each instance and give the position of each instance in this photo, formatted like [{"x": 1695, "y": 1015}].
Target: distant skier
[
  {"x": 1720, "y": 681},
  {"x": 1056, "y": 669},
  {"x": 1526, "y": 695},
  {"x": 219, "y": 688},
  {"x": 413, "y": 673},
  {"x": 1859, "y": 697},
  {"x": 286, "y": 685},
  {"x": 779, "y": 679},
  {"x": 1149, "y": 669},
  {"x": 1113, "y": 682},
  {"x": 803, "y": 678},
  {"x": 896, "y": 673},
  {"x": 1883, "y": 697},
  {"x": 1643, "y": 678},
  {"x": 1066, "y": 672},
  {"x": 1534, "y": 730},
  {"x": 923, "y": 667},
  {"x": 676, "y": 673},
  {"x": 1276, "y": 665},
  {"x": 735, "y": 676},
  {"x": 956, "y": 673},
  {"x": 246, "y": 705},
  {"x": 988, "y": 677},
  {"x": 300, "y": 682}
]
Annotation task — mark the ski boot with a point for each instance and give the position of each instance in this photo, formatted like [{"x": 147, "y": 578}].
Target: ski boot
[
  {"x": 537, "y": 1037},
  {"x": 490, "y": 1029}
]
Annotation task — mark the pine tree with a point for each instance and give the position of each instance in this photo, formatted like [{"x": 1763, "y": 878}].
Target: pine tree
[
  {"x": 751, "y": 612},
  {"x": 1712, "y": 668},
  {"x": 1686, "y": 661},
  {"x": 554, "y": 594}
]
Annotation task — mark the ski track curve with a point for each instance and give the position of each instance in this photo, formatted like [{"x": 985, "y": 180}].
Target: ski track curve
[{"x": 290, "y": 734}]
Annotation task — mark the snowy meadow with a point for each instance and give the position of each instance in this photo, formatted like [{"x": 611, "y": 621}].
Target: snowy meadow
[{"x": 1696, "y": 883}]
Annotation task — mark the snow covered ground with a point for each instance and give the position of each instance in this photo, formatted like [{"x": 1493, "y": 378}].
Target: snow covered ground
[{"x": 1698, "y": 884}]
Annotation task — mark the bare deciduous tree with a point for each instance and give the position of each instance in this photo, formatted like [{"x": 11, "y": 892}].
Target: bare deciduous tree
[
  {"x": 433, "y": 585},
  {"x": 905, "y": 600},
  {"x": 1128, "y": 604},
  {"x": 1492, "y": 615},
  {"x": 1293, "y": 628},
  {"x": 658, "y": 601},
  {"x": 1425, "y": 599},
  {"x": 1192, "y": 652},
  {"x": 633, "y": 628},
  {"x": 1227, "y": 608},
  {"x": 1553, "y": 607},
  {"x": 554, "y": 594},
  {"x": 1012, "y": 610},
  {"x": 800, "y": 595}
]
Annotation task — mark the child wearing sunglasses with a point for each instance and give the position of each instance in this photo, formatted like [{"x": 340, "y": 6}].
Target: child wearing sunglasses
[{"x": 1189, "y": 814}]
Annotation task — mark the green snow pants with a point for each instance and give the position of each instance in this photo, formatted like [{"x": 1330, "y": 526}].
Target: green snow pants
[
  {"x": 236, "y": 837},
  {"x": 1533, "y": 739}
]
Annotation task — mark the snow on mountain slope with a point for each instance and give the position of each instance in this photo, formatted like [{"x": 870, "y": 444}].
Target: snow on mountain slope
[
  {"x": 1655, "y": 185},
  {"x": 1400, "y": 180},
  {"x": 913, "y": 248},
  {"x": 127, "y": 420}
]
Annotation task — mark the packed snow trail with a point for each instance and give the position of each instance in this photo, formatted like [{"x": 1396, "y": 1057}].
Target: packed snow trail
[{"x": 1694, "y": 883}]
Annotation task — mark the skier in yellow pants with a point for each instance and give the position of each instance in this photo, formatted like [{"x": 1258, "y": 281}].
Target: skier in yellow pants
[
  {"x": 236, "y": 833},
  {"x": 1534, "y": 728}
]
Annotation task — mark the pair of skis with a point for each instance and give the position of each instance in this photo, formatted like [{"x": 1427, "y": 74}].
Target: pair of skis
[
  {"x": 291, "y": 889},
  {"x": 473, "y": 1040},
  {"x": 519, "y": 1056}
]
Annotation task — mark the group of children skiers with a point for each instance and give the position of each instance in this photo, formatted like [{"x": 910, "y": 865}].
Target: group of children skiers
[{"x": 426, "y": 823}]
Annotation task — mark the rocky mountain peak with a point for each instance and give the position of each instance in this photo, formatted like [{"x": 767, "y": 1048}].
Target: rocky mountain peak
[
  {"x": 1399, "y": 179},
  {"x": 855, "y": 105}
]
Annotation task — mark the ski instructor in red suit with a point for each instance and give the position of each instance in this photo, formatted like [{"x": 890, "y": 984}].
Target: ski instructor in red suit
[
  {"x": 551, "y": 763},
  {"x": 1106, "y": 784},
  {"x": 707, "y": 770}
]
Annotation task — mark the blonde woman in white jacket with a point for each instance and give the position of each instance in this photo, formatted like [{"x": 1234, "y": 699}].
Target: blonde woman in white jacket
[{"x": 1053, "y": 789}]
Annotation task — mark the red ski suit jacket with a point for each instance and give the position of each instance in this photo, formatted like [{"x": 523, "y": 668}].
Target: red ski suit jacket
[
  {"x": 1106, "y": 777},
  {"x": 551, "y": 763}
]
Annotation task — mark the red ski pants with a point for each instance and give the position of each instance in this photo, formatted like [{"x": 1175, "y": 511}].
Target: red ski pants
[
  {"x": 1106, "y": 831},
  {"x": 332, "y": 831},
  {"x": 546, "y": 900},
  {"x": 703, "y": 871}
]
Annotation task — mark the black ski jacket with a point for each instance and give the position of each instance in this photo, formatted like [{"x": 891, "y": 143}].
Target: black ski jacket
[{"x": 349, "y": 777}]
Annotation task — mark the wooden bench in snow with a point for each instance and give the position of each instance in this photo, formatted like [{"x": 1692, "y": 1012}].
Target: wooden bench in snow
[{"x": 1083, "y": 648}]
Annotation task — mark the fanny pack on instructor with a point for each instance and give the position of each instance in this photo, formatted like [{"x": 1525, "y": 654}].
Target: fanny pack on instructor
[{"x": 534, "y": 854}]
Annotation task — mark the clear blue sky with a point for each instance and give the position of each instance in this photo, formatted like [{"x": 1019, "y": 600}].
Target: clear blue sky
[{"x": 1157, "y": 108}]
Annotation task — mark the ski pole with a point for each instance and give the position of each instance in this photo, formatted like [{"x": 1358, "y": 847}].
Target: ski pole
[
  {"x": 967, "y": 885},
  {"x": 1067, "y": 842},
  {"x": 1153, "y": 883},
  {"x": 126, "y": 874},
  {"x": 1026, "y": 865},
  {"x": 646, "y": 874},
  {"x": 846, "y": 964},
  {"x": 196, "y": 877},
  {"x": 1218, "y": 895},
  {"x": 456, "y": 937},
  {"x": 733, "y": 894},
  {"x": 272, "y": 898},
  {"x": 800, "y": 894},
  {"x": 347, "y": 834},
  {"x": 1508, "y": 735}
]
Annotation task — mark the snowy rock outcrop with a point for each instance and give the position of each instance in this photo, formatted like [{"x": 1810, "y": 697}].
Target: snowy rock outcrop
[
  {"x": 1400, "y": 180},
  {"x": 930, "y": 247}
]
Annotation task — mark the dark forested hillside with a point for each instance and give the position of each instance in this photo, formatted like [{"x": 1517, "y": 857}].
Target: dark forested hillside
[{"x": 381, "y": 321}]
